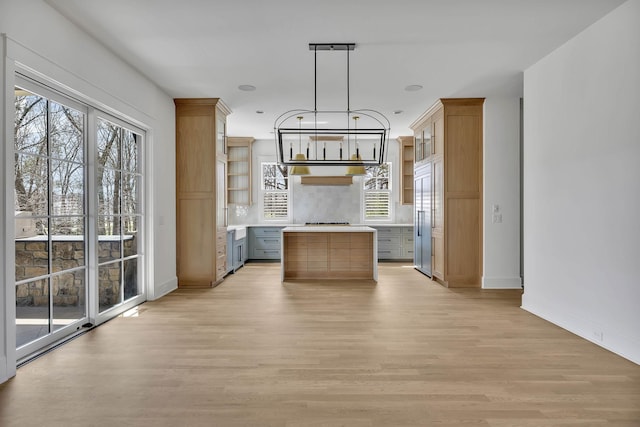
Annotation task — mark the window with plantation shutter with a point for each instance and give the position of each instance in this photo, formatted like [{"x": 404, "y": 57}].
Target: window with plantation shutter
[
  {"x": 377, "y": 192},
  {"x": 275, "y": 192}
]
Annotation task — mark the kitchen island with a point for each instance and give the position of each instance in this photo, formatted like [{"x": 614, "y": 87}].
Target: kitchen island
[{"x": 329, "y": 252}]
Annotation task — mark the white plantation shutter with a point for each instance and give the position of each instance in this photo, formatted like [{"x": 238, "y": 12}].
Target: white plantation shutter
[
  {"x": 275, "y": 205},
  {"x": 275, "y": 192},
  {"x": 376, "y": 204},
  {"x": 377, "y": 192}
]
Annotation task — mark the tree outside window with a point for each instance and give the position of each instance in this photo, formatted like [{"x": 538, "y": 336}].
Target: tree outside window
[
  {"x": 275, "y": 191},
  {"x": 377, "y": 192}
]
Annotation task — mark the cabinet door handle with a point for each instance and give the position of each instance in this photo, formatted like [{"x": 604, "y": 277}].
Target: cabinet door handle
[
  {"x": 433, "y": 212},
  {"x": 433, "y": 138},
  {"x": 418, "y": 225}
]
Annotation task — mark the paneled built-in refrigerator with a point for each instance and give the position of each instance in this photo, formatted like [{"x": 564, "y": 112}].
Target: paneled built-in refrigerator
[{"x": 422, "y": 219}]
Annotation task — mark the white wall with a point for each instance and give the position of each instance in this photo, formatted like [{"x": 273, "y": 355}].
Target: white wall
[
  {"x": 582, "y": 184},
  {"x": 501, "y": 174},
  {"x": 38, "y": 38}
]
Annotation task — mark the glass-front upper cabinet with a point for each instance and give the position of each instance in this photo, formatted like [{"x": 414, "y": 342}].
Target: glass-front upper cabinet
[
  {"x": 418, "y": 147},
  {"x": 221, "y": 134},
  {"x": 423, "y": 143},
  {"x": 426, "y": 141}
]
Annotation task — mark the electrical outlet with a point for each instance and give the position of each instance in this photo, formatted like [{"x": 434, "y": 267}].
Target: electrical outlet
[
  {"x": 497, "y": 218},
  {"x": 495, "y": 208},
  {"x": 598, "y": 335}
]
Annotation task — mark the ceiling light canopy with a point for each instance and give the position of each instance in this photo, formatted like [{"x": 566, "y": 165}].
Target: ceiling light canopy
[{"x": 332, "y": 137}]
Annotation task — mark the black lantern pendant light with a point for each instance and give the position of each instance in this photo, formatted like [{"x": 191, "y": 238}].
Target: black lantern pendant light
[{"x": 332, "y": 129}]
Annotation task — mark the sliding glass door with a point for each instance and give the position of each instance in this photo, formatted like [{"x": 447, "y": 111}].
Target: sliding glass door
[
  {"x": 119, "y": 214},
  {"x": 72, "y": 164},
  {"x": 50, "y": 218}
]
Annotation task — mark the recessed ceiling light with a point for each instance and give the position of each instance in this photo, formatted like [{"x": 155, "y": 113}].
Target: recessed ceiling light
[
  {"x": 398, "y": 112},
  {"x": 259, "y": 112},
  {"x": 413, "y": 88},
  {"x": 247, "y": 88}
]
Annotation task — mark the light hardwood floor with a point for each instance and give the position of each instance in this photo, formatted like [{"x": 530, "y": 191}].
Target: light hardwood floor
[{"x": 255, "y": 352}]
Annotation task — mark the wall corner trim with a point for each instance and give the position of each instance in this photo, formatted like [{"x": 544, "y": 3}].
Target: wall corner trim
[{"x": 164, "y": 288}]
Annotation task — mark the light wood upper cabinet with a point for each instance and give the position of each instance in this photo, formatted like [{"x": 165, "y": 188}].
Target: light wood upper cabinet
[
  {"x": 406, "y": 169},
  {"x": 239, "y": 170},
  {"x": 451, "y": 135},
  {"x": 201, "y": 191}
]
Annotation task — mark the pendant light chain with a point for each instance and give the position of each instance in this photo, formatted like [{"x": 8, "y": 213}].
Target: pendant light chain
[
  {"x": 348, "y": 91},
  {"x": 315, "y": 90}
]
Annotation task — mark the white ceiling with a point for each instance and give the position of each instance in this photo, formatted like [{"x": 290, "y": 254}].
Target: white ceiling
[{"x": 453, "y": 48}]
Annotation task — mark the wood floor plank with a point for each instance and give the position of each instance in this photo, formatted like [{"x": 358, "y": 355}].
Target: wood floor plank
[{"x": 256, "y": 352}]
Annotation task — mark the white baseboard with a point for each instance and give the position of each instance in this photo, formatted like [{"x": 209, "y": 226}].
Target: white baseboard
[
  {"x": 164, "y": 288},
  {"x": 607, "y": 338},
  {"x": 501, "y": 282}
]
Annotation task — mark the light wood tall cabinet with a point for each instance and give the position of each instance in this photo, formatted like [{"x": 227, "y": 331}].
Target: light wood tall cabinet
[
  {"x": 449, "y": 136},
  {"x": 406, "y": 169},
  {"x": 239, "y": 170},
  {"x": 201, "y": 174}
]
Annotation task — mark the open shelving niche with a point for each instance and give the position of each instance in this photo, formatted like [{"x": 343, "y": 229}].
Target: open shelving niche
[{"x": 239, "y": 170}]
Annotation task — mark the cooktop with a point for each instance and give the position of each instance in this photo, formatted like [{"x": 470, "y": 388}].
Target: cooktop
[{"x": 327, "y": 223}]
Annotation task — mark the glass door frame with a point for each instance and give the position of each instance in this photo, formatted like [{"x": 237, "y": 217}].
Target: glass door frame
[
  {"x": 96, "y": 316},
  {"x": 92, "y": 316},
  {"x": 43, "y": 342}
]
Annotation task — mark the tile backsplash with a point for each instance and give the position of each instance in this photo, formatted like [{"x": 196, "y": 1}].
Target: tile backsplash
[
  {"x": 316, "y": 203},
  {"x": 320, "y": 203},
  {"x": 328, "y": 203}
]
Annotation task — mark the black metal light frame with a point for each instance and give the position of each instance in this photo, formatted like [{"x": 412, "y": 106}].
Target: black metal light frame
[{"x": 379, "y": 135}]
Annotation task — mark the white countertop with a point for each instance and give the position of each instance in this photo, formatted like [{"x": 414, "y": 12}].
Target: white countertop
[
  {"x": 329, "y": 229},
  {"x": 300, "y": 225}
]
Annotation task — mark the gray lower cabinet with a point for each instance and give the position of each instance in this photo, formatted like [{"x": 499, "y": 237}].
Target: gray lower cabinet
[
  {"x": 407, "y": 243},
  {"x": 264, "y": 242},
  {"x": 395, "y": 242},
  {"x": 237, "y": 252},
  {"x": 230, "y": 236}
]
